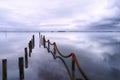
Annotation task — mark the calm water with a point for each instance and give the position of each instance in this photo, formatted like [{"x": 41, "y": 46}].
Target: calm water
[
  {"x": 98, "y": 55},
  {"x": 42, "y": 66}
]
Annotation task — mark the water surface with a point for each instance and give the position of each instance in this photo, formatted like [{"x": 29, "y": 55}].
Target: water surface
[{"x": 98, "y": 53}]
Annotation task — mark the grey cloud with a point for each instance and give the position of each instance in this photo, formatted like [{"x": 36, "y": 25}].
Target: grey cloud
[
  {"x": 106, "y": 24},
  {"x": 6, "y": 23},
  {"x": 60, "y": 11},
  {"x": 110, "y": 22}
]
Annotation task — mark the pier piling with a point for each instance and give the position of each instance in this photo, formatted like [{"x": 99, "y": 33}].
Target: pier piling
[
  {"x": 26, "y": 58},
  {"x": 4, "y": 69},
  {"x": 21, "y": 68}
]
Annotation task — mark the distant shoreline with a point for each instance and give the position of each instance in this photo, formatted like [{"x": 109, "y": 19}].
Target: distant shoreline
[{"x": 60, "y": 31}]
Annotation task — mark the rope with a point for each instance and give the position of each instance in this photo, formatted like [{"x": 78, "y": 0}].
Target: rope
[{"x": 64, "y": 56}]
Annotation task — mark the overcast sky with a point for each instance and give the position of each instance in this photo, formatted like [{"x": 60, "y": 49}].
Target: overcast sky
[{"x": 59, "y": 15}]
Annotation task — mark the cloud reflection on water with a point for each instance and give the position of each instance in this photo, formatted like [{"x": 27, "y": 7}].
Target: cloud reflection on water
[
  {"x": 42, "y": 66},
  {"x": 98, "y": 53}
]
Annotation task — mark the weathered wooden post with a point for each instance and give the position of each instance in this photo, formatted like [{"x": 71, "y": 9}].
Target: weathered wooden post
[
  {"x": 54, "y": 48},
  {"x": 26, "y": 58},
  {"x": 73, "y": 68},
  {"x": 30, "y": 48},
  {"x": 21, "y": 68},
  {"x": 44, "y": 42},
  {"x": 39, "y": 40},
  {"x": 4, "y": 69},
  {"x": 32, "y": 44},
  {"x": 48, "y": 46},
  {"x": 33, "y": 37}
]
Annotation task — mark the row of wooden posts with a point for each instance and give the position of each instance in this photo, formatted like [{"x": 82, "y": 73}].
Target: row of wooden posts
[{"x": 21, "y": 61}]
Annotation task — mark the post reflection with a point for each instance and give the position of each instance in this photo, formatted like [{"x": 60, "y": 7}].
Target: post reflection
[{"x": 98, "y": 54}]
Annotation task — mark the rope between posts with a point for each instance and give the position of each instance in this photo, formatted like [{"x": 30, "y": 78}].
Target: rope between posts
[{"x": 74, "y": 58}]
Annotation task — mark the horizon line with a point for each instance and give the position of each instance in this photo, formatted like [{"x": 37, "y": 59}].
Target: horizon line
[{"x": 55, "y": 31}]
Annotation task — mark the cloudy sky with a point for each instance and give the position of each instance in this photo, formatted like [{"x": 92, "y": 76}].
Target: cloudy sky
[{"x": 59, "y": 15}]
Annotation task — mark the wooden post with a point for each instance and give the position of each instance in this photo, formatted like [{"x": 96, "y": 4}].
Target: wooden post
[
  {"x": 4, "y": 69},
  {"x": 44, "y": 42},
  {"x": 33, "y": 41},
  {"x": 32, "y": 44},
  {"x": 73, "y": 68},
  {"x": 39, "y": 40},
  {"x": 48, "y": 46},
  {"x": 54, "y": 49},
  {"x": 21, "y": 68},
  {"x": 26, "y": 58},
  {"x": 30, "y": 50}
]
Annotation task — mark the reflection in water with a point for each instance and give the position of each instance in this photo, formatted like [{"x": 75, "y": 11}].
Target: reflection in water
[
  {"x": 41, "y": 64},
  {"x": 11, "y": 47},
  {"x": 98, "y": 54}
]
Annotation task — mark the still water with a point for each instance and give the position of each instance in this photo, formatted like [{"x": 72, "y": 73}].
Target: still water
[{"x": 98, "y": 55}]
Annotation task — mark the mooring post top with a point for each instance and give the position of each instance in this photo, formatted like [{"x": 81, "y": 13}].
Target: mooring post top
[
  {"x": 20, "y": 58},
  {"x": 33, "y": 36},
  {"x": 4, "y": 59},
  {"x": 25, "y": 48}
]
